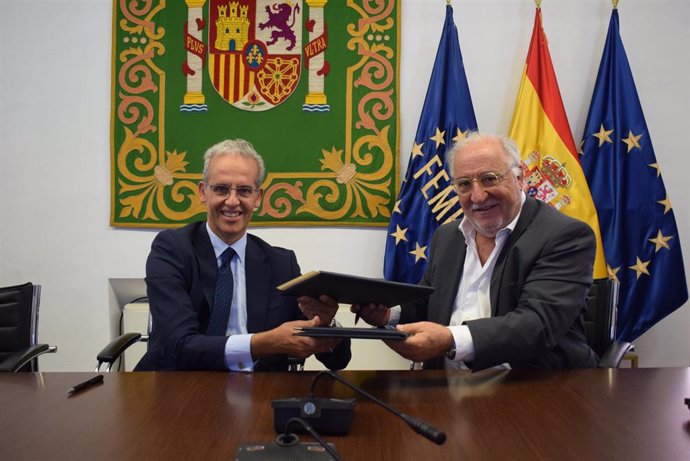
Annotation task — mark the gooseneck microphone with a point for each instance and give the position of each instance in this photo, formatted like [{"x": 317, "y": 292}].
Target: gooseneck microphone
[{"x": 420, "y": 427}]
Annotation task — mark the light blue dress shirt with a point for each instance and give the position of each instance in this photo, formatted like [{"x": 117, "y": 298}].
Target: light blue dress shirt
[{"x": 238, "y": 355}]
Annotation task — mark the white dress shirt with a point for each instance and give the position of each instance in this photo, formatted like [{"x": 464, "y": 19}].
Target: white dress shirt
[{"x": 473, "y": 299}]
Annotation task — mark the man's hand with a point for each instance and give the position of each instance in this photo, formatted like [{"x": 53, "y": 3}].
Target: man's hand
[
  {"x": 374, "y": 314},
  {"x": 324, "y": 308},
  {"x": 282, "y": 340},
  {"x": 427, "y": 340}
]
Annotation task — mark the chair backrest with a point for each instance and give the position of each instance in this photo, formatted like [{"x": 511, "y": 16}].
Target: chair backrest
[
  {"x": 19, "y": 319},
  {"x": 600, "y": 314}
]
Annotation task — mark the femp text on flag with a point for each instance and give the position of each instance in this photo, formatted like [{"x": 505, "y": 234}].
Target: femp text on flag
[{"x": 427, "y": 198}]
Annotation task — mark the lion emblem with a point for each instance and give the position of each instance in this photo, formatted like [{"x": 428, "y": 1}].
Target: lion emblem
[{"x": 278, "y": 17}]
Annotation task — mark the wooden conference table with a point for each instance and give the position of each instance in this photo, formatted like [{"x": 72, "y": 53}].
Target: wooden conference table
[{"x": 624, "y": 414}]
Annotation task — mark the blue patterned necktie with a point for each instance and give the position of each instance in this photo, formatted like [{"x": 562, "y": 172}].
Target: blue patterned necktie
[{"x": 218, "y": 324}]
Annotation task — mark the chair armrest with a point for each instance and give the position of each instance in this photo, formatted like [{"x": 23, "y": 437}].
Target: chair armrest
[
  {"x": 614, "y": 354},
  {"x": 20, "y": 358},
  {"x": 116, "y": 347}
]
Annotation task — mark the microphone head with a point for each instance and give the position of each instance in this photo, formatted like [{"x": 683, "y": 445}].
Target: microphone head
[
  {"x": 438, "y": 437},
  {"x": 428, "y": 431}
]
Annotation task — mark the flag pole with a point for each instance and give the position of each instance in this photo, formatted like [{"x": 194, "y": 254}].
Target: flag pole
[
  {"x": 614, "y": 3},
  {"x": 538, "y": 3}
]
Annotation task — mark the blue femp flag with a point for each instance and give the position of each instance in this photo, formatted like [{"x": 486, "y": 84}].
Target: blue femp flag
[
  {"x": 427, "y": 198},
  {"x": 638, "y": 226}
]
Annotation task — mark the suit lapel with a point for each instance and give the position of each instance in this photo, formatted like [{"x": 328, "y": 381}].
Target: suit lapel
[
  {"x": 527, "y": 214},
  {"x": 258, "y": 273},
  {"x": 208, "y": 267},
  {"x": 454, "y": 271}
]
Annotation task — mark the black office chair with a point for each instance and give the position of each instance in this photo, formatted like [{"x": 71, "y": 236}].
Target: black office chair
[
  {"x": 19, "y": 328},
  {"x": 600, "y": 323}
]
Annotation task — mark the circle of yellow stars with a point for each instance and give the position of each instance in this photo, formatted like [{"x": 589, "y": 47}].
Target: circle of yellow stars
[{"x": 660, "y": 241}]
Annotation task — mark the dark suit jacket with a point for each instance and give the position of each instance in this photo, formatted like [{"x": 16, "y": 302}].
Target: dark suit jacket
[
  {"x": 538, "y": 290},
  {"x": 180, "y": 281}
]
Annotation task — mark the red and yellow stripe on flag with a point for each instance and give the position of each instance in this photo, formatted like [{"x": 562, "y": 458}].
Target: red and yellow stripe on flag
[{"x": 541, "y": 130}]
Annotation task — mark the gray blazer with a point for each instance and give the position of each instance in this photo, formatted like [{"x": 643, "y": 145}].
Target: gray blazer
[{"x": 538, "y": 291}]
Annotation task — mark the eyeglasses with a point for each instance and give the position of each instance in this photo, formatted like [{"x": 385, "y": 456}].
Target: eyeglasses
[
  {"x": 486, "y": 180},
  {"x": 224, "y": 191}
]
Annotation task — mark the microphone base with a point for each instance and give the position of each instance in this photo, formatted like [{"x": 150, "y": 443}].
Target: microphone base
[
  {"x": 326, "y": 416},
  {"x": 268, "y": 451}
]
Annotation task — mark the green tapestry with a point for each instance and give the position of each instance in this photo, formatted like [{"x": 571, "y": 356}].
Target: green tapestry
[{"x": 313, "y": 84}]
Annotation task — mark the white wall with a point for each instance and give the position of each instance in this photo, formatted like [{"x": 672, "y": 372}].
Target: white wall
[{"x": 54, "y": 114}]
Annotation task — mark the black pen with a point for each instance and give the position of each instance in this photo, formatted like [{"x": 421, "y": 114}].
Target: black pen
[
  {"x": 357, "y": 317},
  {"x": 98, "y": 379}
]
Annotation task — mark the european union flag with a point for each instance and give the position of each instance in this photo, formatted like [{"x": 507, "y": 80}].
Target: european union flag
[
  {"x": 638, "y": 227},
  {"x": 426, "y": 197}
]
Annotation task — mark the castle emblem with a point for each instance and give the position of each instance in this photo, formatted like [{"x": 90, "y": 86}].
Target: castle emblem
[
  {"x": 232, "y": 30},
  {"x": 546, "y": 178},
  {"x": 255, "y": 51}
]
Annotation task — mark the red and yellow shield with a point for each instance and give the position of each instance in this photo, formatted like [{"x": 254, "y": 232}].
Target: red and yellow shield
[{"x": 254, "y": 51}]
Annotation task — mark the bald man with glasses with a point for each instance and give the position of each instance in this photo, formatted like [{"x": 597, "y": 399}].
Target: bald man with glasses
[{"x": 511, "y": 277}]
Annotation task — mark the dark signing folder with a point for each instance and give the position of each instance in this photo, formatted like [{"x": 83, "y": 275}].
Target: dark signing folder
[
  {"x": 355, "y": 333},
  {"x": 352, "y": 289}
]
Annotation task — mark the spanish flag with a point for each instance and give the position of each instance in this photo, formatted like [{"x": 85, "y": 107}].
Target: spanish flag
[{"x": 541, "y": 130}]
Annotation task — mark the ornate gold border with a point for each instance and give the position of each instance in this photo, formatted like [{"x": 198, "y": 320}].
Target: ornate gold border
[{"x": 354, "y": 181}]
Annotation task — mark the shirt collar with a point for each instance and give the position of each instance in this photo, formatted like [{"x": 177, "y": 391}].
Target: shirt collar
[
  {"x": 219, "y": 245},
  {"x": 468, "y": 230}
]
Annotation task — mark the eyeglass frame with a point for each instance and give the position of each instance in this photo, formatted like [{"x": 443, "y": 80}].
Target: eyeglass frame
[
  {"x": 242, "y": 192},
  {"x": 498, "y": 176}
]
